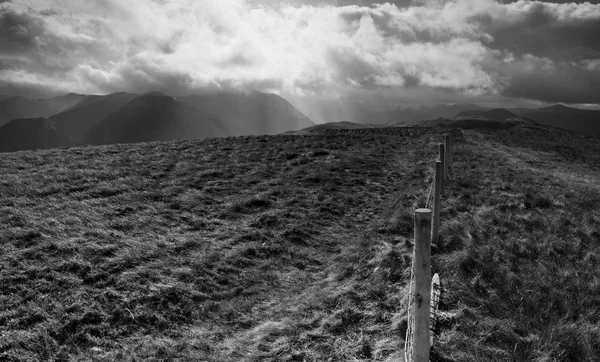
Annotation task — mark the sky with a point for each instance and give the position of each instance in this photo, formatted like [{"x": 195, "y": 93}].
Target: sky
[{"x": 404, "y": 51}]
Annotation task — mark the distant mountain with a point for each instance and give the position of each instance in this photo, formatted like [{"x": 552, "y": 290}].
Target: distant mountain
[
  {"x": 154, "y": 117},
  {"x": 326, "y": 110},
  {"x": 333, "y": 110},
  {"x": 332, "y": 126},
  {"x": 579, "y": 120},
  {"x": 444, "y": 111},
  {"x": 341, "y": 125},
  {"x": 251, "y": 113},
  {"x": 471, "y": 122},
  {"x": 74, "y": 119},
  {"x": 32, "y": 133},
  {"x": 76, "y": 122},
  {"x": 22, "y": 107},
  {"x": 496, "y": 114}
]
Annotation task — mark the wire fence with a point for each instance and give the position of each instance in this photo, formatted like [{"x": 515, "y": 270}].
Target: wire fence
[
  {"x": 435, "y": 280},
  {"x": 408, "y": 351}
]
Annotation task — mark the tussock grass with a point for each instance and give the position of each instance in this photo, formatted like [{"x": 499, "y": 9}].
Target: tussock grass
[
  {"x": 248, "y": 248},
  {"x": 518, "y": 255},
  {"x": 298, "y": 248}
]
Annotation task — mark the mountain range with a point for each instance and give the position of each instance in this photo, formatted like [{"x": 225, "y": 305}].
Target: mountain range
[
  {"x": 326, "y": 110},
  {"x": 74, "y": 119},
  {"x": 22, "y": 107},
  {"x": 582, "y": 121},
  {"x": 560, "y": 116}
]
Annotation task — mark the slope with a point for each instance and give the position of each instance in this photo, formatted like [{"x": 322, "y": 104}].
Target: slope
[
  {"x": 291, "y": 248},
  {"x": 22, "y": 107},
  {"x": 519, "y": 253},
  {"x": 201, "y": 250},
  {"x": 373, "y": 111},
  {"x": 251, "y": 113},
  {"x": 496, "y": 114},
  {"x": 332, "y": 126},
  {"x": 578, "y": 120},
  {"x": 76, "y": 122},
  {"x": 31, "y": 133},
  {"x": 154, "y": 117}
]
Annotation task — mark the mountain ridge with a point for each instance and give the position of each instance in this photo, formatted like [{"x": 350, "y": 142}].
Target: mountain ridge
[
  {"x": 153, "y": 116},
  {"x": 80, "y": 117},
  {"x": 575, "y": 119}
]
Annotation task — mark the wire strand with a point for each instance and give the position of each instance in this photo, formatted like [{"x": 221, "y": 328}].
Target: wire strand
[
  {"x": 410, "y": 321},
  {"x": 428, "y": 201}
]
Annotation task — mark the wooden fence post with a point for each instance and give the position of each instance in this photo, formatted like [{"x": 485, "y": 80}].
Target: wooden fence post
[
  {"x": 442, "y": 158},
  {"x": 436, "y": 202},
  {"x": 422, "y": 292},
  {"x": 448, "y": 141}
]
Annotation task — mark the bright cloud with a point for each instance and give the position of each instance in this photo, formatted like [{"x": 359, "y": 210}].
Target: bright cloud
[{"x": 465, "y": 47}]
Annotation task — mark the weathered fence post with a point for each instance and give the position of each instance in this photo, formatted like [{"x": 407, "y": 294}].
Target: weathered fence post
[
  {"x": 422, "y": 291},
  {"x": 442, "y": 158},
  {"x": 437, "y": 187},
  {"x": 448, "y": 141}
]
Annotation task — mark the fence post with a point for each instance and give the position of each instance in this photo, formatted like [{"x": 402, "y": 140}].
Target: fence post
[
  {"x": 422, "y": 292},
  {"x": 436, "y": 202},
  {"x": 442, "y": 158},
  {"x": 448, "y": 141}
]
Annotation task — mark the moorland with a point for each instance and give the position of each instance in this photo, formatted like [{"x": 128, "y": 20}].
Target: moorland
[{"x": 298, "y": 247}]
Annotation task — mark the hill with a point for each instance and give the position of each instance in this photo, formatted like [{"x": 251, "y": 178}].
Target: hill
[
  {"x": 471, "y": 120},
  {"x": 578, "y": 120},
  {"x": 22, "y": 107},
  {"x": 252, "y": 113},
  {"x": 325, "y": 110},
  {"x": 76, "y": 122},
  {"x": 496, "y": 114},
  {"x": 443, "y": 111},
  {"x": 283, "y": 248},
  {"x": 30, "y": 133},
  {"x": 332, "y": 126},
  {"x": 77, "y": 119},
  {"x": 154, "y": 117}
]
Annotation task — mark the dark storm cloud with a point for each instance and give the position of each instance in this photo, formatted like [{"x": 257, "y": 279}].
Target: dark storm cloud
[
  {"x": 545, "y": 80},
  {"x": 470, "y": 48},
  {"x": 535, "y": 50},
  {"x": 352, "y": 68},
  {"x": 562, "y": 33},
  {"x": 18, "y": 31},
  {"x": 559, "y": 1}
]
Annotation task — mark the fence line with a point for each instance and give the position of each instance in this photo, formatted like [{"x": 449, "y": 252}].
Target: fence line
[
  {"x": 435, "y": 228},
  {"x": 424, "y": 290}
]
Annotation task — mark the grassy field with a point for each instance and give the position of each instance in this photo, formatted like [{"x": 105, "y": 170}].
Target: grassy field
[
  {"x": 521, "y": 241},
  {"x": 298, "y": 248}
]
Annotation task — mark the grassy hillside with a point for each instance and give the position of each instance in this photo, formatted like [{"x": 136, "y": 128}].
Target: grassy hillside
[
  {"x": 297, "y": 248},
  {"x": 520, "y": 248},
  {"x": 210, "y": 250}
]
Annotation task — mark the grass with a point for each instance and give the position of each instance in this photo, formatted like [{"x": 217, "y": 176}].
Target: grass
[
  {"x": 298, "y": 248},
  {"x": 224, "y": 250},
  {"x": 519, "y": 255}
]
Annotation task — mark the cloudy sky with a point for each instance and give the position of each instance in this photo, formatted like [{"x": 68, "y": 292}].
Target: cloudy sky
[{"x": 406, "y": 50}]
